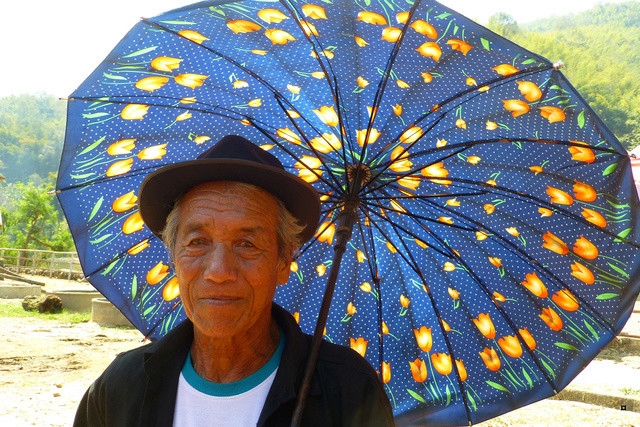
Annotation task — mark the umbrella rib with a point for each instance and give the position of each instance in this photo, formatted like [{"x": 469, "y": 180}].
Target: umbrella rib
[
  {"x": 501, "y": 80},
  {"x": 504, "y": 315},
  {"x": 473, "y": 143},
  {"x": 526, "y": 257},
  {"x": 425, "y": 196},
  {"x": 333, "y": 89},
  {"x": 376, "y": 282},
  {"x": 509, "y": 192},
  {"x": 418, "y": 271},
  {"x": 317, "y": 153},
  {"x": 387, "y": 73},
  {"x": 273, "y": 90}
]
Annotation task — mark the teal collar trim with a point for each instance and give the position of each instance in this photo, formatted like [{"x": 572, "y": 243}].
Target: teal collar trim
[{"x": 237, "y": 387}]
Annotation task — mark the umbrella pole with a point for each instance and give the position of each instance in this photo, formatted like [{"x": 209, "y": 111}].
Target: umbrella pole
[{"x": 344, "y": 228}]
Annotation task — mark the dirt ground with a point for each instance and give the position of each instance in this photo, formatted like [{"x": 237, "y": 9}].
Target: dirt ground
[{"x": 46, "y": 366}]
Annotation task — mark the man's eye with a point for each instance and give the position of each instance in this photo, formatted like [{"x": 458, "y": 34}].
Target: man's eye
[
  {"x": 247, "y": 244},
  {"x": 197, "y": 242}
]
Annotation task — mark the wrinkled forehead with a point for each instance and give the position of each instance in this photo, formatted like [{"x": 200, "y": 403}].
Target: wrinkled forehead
[{"x": 233, "y": 199}]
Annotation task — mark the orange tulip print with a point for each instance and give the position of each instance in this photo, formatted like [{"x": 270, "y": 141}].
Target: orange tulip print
[
  {"x": 491, "y": 359},
  {"x": 139, "y": 247},
  {"x": 418, "y": 370},
  {"x": 544, "y": 212},
  {"x": 461, "y": 124},
  {"x": 165, "y": 63},
  {"x": 120, "y": 168},
  {"x": 528, "y": 339},
  {"x": 289, "y": 135},
  {"x": 585, "y": 249},
  {"x": 255, "y": 103},
  {"x": 453, "y": 293},
  {"x": 325, "y": 232},
  {"x": 530, "y": 91},
  {"x": 171, "y": 290},
  {"x": 386, "y": 372},
  {"x": 271, "y": 16},
  {"x": 157, "y": 273},
  {"x": 445, "y": 325},
  {"x": 582, "y": 154},
  {"x": 124, "y": 202},
  {"x": 505, "y": 69},
  {"x": 365, "y": 287},
  {"x": 559, "y": 197},
  {"x": 535, "y": 285},
  {"x": 551, "y": 318},
  {"x": 554, "y": 244},
  {"x": 436, "y": 170},
  {"x": 134, "y": 112},
  {"x": 361, "y": 42},
  {"x": 190, "y": 80},
  {"x": 449, "y": 267},
  {"x": 351, "y": 309},
  {"x": 278, "y": 36},
  {"x": 423, "y": 338},
  {"x": 372, "y": 18},
  {"x": 328, "y": 115},
  {"x": 424, "y": 28},
  {"x": 485, "y": 326},
  {"x": 309, "y": 29},
  {"x": 553, "y": 114},
  {"x": 462, "y": 371},
  {"x": 499, "y": 297},
  {"x": 565, "y": 300},
  {"x": 150, "y": 84},
  {"x": 513, "y": 231},
  {"x": 400, "y": 159},
  {"x": 385, "y": 329},
  {"x": 153, "y": 153},
  {"x": 511, "y": 346},
  {"x": 489, "y": 208},
  {"x": 460, "y": 46},
  {"x": 430, "y": 50},
  {"x": 584, "y": 192},
  {"x": 359, "y": 345},
  {"x": 321, "y": 269},
  {"x": 404, "y": 301},
  {"x": 133, "y": 224},
  {"x": 410, "y": 182},
  {"x": 201, "y": 139},
  {"x": 184, "y": 116},
  {"x": 391, "y": 34},
  {"x": 362, "y": 136},
  {"x": 361, "y": 257},
  {"x": 441, "y": 363},
  {"x": 516, "y": 107},
  {"x": 314, "y": 11},
  {"x": 411, "y": 135},
  {"x": 594, "y": 217},
  {"x": 193, "y": 36},
  {"x": 123, "y": 146},
  {"x": 582, "y": 273},
  {"x": 308, "y": 168}
]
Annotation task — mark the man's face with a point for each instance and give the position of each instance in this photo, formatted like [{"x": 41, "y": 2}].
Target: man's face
[{"x": 227, "y": 258}]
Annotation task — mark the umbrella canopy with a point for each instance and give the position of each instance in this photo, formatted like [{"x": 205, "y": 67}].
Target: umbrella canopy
[{"x": 494, "y": 242}]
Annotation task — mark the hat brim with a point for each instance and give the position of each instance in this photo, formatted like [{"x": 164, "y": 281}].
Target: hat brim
[{"x": 161, "y": 188}]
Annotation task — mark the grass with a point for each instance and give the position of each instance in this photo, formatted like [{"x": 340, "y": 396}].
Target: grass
[{"x": 13, "y": 308}]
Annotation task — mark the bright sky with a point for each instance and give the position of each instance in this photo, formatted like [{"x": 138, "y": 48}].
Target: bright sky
[{"x": 52, "y": 46}]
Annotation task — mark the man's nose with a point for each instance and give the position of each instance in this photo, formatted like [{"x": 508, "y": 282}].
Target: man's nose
[{"x": 221, "y": 264}]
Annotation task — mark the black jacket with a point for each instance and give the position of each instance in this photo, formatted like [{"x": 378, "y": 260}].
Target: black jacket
[{"x": 139, "y": 387}]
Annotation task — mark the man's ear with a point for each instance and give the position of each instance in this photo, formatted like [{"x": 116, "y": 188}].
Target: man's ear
[{"x": 284, "y": 267}]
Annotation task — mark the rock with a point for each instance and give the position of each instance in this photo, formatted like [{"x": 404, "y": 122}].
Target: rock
[
  {"x": 43, "y": 304},
  {"x": 50, "y": 304},
  {"x": 30, "y": 303}
]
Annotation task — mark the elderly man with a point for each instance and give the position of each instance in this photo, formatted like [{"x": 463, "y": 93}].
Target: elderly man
[{"x": 232, "y": 220}]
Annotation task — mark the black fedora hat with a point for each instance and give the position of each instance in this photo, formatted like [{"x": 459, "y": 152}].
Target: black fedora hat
[{"x": 233, "y": 158}]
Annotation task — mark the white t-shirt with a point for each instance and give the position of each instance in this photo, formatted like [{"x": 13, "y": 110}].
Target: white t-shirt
[{"x": 204, "y": 403}]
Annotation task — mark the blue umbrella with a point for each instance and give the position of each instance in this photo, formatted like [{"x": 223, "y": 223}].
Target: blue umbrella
[{"x": 479, "y": 242}]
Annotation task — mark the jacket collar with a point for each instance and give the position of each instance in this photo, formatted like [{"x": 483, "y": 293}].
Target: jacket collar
[{"x": 163, "y": 361}]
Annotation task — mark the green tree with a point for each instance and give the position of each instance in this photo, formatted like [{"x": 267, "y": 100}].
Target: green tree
[{"x": 504, "y": 24}]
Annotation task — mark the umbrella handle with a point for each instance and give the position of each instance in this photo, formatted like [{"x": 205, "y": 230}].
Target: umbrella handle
[{"x": 344, "y": 230}]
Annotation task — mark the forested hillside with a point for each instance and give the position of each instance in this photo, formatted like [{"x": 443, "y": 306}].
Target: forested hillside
[
  {"x": 31, "y": 136},
  {"x": 601, "y": 53}
]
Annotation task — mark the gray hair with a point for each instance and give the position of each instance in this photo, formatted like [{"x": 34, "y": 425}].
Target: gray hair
[{"x": 288, "y": 229}]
